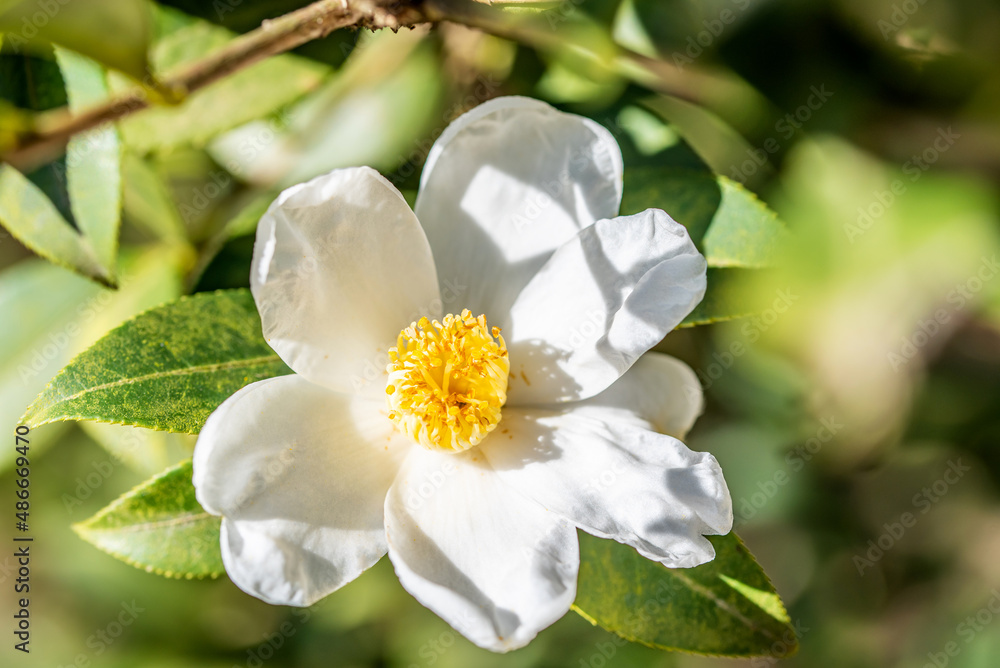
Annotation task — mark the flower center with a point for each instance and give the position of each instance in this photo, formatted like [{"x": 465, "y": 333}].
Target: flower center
[{"x": 448, "y": 381}]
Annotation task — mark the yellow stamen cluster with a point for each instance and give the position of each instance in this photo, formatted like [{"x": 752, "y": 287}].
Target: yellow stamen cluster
[{"x": 448, "y": 381}]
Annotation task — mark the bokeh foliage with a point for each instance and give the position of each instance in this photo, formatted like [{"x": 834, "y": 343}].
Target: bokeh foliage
[{"x": 867, "y": 372}]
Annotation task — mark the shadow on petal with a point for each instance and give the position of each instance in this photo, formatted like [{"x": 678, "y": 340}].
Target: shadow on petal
[
  {"x": 504, "y": 622},
  {"x": 535, "y": 362}
]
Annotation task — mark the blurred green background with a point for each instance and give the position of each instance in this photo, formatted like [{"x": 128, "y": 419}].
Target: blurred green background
[{"x": 867, "y": 387}]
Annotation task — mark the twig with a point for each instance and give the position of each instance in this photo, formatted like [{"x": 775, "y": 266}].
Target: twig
[
  {"x": 664, "y": 76},
  {"x": 714, "y": 90},
  {"x": 273, "y": 37},
  {"x": 48, "y": 137}
]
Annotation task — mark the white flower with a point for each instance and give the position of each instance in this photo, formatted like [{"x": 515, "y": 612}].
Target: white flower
[{"x": 474, "y": 481}]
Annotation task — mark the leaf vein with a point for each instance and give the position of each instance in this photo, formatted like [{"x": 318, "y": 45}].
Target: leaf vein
[
  {"x": 707, "y": 593},
  {"x": 187, "y": 518},
  {"x": 191, "y": 370}
]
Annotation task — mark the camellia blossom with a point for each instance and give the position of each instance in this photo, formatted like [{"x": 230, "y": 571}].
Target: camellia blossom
[{"x": 470, "y": 385}]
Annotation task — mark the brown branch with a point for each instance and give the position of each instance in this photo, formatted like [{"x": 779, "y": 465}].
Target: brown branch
[
  {"x": 276, "y": 36},
  {"x": 718, "y": 91},
  {"x": 660, "y": 75},
  {"x": 47, "y": 139}
]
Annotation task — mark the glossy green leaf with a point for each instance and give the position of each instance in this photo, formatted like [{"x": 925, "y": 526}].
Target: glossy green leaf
[
  {"x": 252, "y": 93},
  {"x": 93, "y": 161},
  {"x": 726, "y": 607},
  {"x": 166, "y": 369},
  {"x": 727, "y": 222},
  {"x": 115, "y": 33},
  {"x": 160, "y": 527},
  {"x": 34, "y": 220}
]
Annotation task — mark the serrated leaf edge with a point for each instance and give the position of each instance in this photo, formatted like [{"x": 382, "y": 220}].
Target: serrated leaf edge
[
  {"x": 84, "y": 531},
  {"x": 735, "y": 185},
  {"x": 26, "y": 417}
]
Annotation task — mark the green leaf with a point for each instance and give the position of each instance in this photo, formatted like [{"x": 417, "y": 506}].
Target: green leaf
[
  {"x": 341, "y": 123},
  {"x": 166, "y": 369},
  {"x": 36, "y": 206},
  {"x": 743, "y": 232},
  {"x": 727, "y": 222},
  {"x": 241, "y": 17},
  {"x": 31, "y": 82},
  {"x": 737, "y": 233},
  {"x": 725, "y": 299},
  {"x": 55, "y": 314},
  {"x": 115, "y": 33},
  {"x": 725, "y": 607},
  {"x": 159, "y": 526},
  {"x": 69, "y": 210},
  {"x": 34, "y": 220},
  {"x": 242, "y": 224},
  {"x": 245, "y": 221},
  {"x": 768, "y": 601},
  {"x": 40, "y": 303},
  {"x": 663, "y": 28},
  {"x": 252, "y": 93},
  {"x": 148, "y": 203},
  {"x": 93, "y": 161}
]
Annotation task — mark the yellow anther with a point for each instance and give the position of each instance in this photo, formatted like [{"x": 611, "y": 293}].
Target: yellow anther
[{"x": 448, "y": 381}]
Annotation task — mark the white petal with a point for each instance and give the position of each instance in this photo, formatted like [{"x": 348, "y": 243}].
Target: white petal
[
  {"x": 613, "y": 477},
  {"x": 494, "y": 565},
  {"x": 602, "y": 300},
  {"x": 503, "y": 187},
  {"x": 340, "y": 266},
  {"x": 299, "y": 474},
  {"x": 660, "y": 389}
]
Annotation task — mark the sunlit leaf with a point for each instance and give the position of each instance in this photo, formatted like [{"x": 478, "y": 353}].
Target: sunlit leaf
[
  {"x": 167, "y": 369},
  {"x": 115, "y": 33},
  {"x": 737, "y": 232},
  {"x": 93, "y": 161},
  {"x": 727, "y": 222},
  {"x": 726, "y": 607},
  {"x": 343, "y": 123},
  {"x": 36, "y": 206},
  {"x": 34, "y": 220},
  {"x": 251, "y": 93},
  {"x": 160, "y": 527},
  {"x": 69, "y": 210},
  {"x": 55, "y": 314},
  {"x": 241, "y": 17}
]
